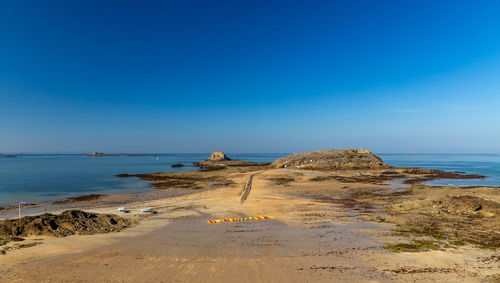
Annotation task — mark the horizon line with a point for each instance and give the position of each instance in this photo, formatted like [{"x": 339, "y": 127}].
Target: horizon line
[{"x": 228, "y": 152}]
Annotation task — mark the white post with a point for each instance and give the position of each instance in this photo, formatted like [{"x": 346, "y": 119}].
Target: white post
[{"x": 24, "y": 203}]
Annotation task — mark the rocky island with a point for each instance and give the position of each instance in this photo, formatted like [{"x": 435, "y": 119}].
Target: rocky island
[
  {"x": 101, "y": 154},
  {"x": 332, "y": 159}
]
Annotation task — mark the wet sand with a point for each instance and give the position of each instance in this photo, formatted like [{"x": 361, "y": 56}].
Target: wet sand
[{"x": 319, "y": 234}]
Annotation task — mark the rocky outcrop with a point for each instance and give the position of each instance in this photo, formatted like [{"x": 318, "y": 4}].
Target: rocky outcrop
[
  {"x": 177, "y": 165},
  {"x": 219, "y": 160},
  {"x": 218, "y": 156},
  {"x": 79, "y": 199},
  {"x": 332, "y": 159},
  {"x": 67, "y": 223}
]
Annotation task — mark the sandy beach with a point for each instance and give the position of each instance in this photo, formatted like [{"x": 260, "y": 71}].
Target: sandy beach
[{"x": 323, "y": 230}]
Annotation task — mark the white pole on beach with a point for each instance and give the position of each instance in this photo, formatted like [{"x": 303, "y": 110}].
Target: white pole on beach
[{"x": 24, "y": 203}]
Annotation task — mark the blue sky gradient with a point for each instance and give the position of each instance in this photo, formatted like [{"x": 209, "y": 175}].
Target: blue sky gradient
[{"x": 250, "y": 76}]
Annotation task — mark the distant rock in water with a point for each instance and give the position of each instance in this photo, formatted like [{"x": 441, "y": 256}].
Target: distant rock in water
[
  {"x": 177, "y": 165},
  {"x": 219, "y": 160},
  {"x": 101, "y": 154},
  {"x": 332, "y": 159},
  {"x": 218, "y": 156},
  {"x": 79, "y": 199}
]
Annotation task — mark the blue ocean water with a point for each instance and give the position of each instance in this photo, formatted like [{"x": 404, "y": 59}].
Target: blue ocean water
[
  {"x": 483, "y": 164},
  {"x": 49, "y": 177}
]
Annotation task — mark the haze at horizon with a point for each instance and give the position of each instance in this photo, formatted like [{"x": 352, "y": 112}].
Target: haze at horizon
[{"x": 281, "y": 76}]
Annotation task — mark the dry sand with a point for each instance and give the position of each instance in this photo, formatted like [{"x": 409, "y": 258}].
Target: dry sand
[{"x": 318, "y": 235}]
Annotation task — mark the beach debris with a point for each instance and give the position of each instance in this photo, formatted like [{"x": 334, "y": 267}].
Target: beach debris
[
  {"x": 392, "y": 213},
  {"x": 214, "y": 221},
  {"x": 148, "y": 209},
  {"x": 123, "y": 209}
]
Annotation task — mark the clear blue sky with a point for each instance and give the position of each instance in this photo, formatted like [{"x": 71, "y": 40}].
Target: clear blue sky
[{"x": 249, "y": 76}]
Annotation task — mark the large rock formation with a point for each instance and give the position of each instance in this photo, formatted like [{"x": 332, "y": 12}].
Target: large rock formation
[
  {"x": 217, "y": 156},
  {"x": 332, "y": 159},
  {"x": 67, "y": 223}
]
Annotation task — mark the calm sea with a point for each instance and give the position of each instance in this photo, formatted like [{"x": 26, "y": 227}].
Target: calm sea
[
  {"x": 49, "y": 177},
  {"x": 483, "y": 164}
]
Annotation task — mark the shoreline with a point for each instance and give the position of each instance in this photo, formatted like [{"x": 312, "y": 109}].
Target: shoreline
[
  {"x": 103, "y": 201},
  {"x": 85, "y": 199},
  {"x": 494, "y": 182}
]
